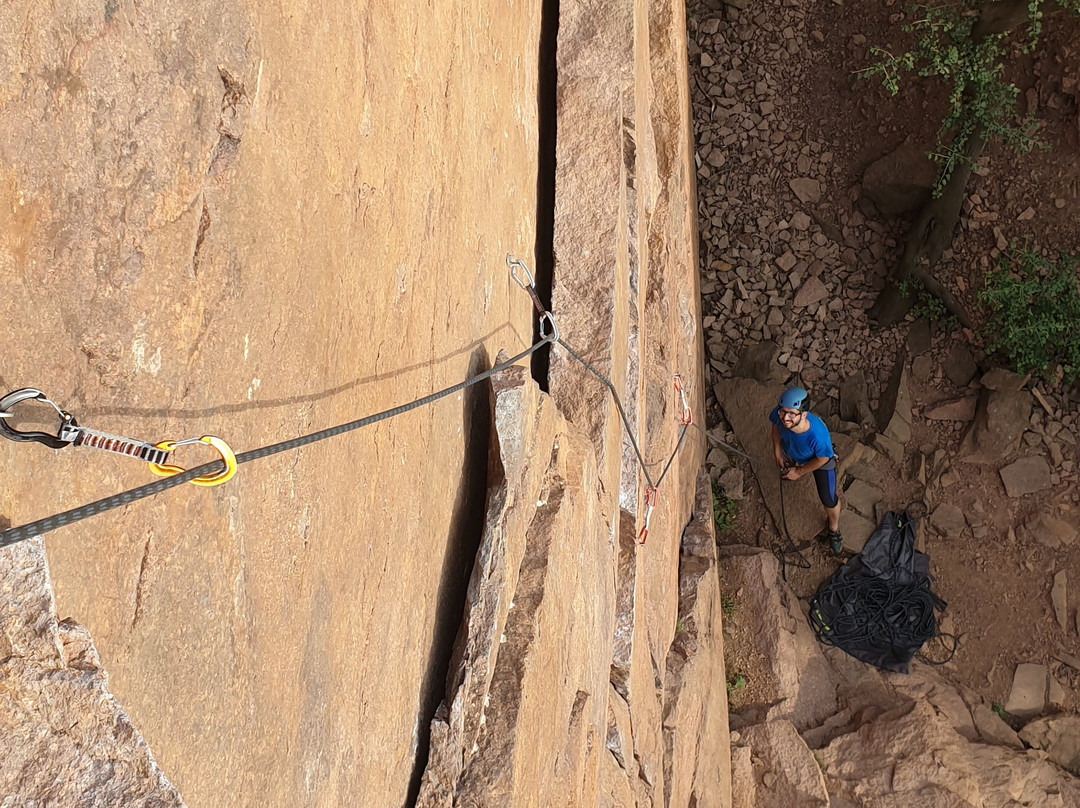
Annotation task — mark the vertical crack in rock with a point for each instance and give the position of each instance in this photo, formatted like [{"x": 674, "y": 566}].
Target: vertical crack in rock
[
  {"x": 466, "y": 530},
  {"x": 200, "y": 237},
  {"x": 140, "y": 583},
  {"x": 547, "y": 131},
  {"x": 625, "y": 588},
  {"x": 628, "y": 478}
]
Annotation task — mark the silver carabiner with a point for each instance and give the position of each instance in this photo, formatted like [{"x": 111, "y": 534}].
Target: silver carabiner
[
  {"x": 65, "y": 433},
  {"x": 553, "y": 333},
  {"x": 514, "y": 265}
]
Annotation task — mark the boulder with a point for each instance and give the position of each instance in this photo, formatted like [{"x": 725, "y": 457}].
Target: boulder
[
  {"x": 1055, "y": 694},
  {"x": 921, "y": 368},
  {"x": 1059, "y": 737},
  {"x": 855, "y": 529},
  {"x": 1050, "y": 531},
  {"x": 758, "y": 361},
  {"x": 957, "y": 409},
  {"x": 744, "y": 785},
  {"x": 912, "y": 756},
  {"x": 993, "y": 729},
  {"x": 807, "y": 189},
  {"x": 948, "y": 520},
  {"x": 919, "y": 338},
  {"x": 1027, "y": 475},
  {"x": 65, "y": 739},
  {"x": 1002, "y": 380},
  {"x": 862, "y": 498},
  {"x": 899, "y": 182},
  {"x": 784, "y": 767},
  {"x": 1000, "y": 420},
  {"x": 894, "y": 406},
  {"x": 718, "y": 460},
  {"x": 960, "y": 366},
  {"x": 732, "y": 482},
  {"x": 892, "y": 448},
  {"x": 1027, "y": 698},
  {"x": 811, "y": 293},
  {"x": 854, "y": 401},
  {"x": 800, "y": 685}
]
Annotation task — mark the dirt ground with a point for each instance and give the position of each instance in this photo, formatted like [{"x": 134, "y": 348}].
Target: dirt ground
[{"x": 997, "y": 586}]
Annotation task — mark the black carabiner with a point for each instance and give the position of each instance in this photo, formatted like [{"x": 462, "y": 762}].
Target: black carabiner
[{"x": 65, "y": 433}]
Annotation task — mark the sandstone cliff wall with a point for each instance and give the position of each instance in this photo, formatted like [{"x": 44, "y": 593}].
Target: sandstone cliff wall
[
  {"x": 640, "y": 715},
  {"x": 258, "y": 220},
  {"x": 65, "y": 739}
]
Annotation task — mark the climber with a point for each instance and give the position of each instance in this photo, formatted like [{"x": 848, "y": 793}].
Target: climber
[{"x": 801, "y": 445}]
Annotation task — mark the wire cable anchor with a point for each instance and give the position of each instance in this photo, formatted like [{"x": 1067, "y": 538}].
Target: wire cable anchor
[{"x": 70, "y": 433}]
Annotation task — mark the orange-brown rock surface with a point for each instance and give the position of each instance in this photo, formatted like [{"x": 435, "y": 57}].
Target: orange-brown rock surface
[
  {"x": 65, "y": 739},
  {"x": 255, "y": 221}
]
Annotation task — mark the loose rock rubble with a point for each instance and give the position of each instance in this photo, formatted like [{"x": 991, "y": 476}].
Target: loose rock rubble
[{"x": 793, "y": 253}]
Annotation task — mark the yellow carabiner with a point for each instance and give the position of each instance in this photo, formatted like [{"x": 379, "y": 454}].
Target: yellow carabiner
[{"x": 227, "y": 455}]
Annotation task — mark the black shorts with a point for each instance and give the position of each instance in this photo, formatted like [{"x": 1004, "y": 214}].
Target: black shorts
[{"x": 825, "y": 480}]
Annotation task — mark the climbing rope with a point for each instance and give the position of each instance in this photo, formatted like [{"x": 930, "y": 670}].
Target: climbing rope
[
  {"x": 526, "y": 282},
  {"x": 219, "y": 470},
  {"x": 781, "y": 554}
]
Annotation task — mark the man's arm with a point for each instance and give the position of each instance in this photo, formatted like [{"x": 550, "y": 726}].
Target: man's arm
[
  {"x": 778, "y": 454},
  {"x": 809, "y": 468}
]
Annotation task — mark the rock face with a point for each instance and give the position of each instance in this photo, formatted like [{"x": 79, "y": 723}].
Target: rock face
[
  {"x": 65, "y": 740},
  {"x": 531, "y": 709},
  {"x": 1001, "y": 416},
  {"x": 888, "y": 739},
  {"x": 256, "y": 221},
  {"x": 508, "y": 730}
]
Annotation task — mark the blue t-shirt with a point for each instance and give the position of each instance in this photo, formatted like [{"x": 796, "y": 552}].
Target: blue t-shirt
[{"x": 814, "y": 442}]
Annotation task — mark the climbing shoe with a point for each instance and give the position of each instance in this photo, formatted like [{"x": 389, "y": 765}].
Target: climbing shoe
[{"x": 836, "y": 542}]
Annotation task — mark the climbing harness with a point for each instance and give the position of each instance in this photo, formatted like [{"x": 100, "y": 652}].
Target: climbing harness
[
  {"x": 220, "y": 470},
  {"x": 70, "y": 433}
]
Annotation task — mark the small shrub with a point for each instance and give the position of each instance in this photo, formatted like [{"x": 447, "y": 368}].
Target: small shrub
[
  {"x": 997, "y": 708},
  {"x": 724, "y": 508},
  {"x": 735, "y": 682},
  {"x": 980, "y": 100},
  {"x": 926, "y": 305},
  {"x": 1034, "y": 311},
  {"x": 680, "y": 626}
]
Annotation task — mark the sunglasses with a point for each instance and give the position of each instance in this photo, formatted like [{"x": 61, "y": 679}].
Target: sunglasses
[{"x": 790, "y": 413}]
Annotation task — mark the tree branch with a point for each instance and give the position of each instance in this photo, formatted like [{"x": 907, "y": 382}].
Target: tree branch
[{"x": 999, "y": 17}]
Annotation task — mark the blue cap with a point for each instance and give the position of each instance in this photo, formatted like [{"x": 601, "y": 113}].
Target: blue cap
[{"x": 794, "y": 398}]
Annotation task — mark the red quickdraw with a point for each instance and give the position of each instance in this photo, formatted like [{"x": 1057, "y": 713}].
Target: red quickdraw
[
  {"x": 651, "y": 495},
  {"x": 687, "y": 416}
]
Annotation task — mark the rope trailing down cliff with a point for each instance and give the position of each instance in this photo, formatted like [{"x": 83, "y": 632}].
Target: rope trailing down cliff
[{"x": 219, "y": 471}]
